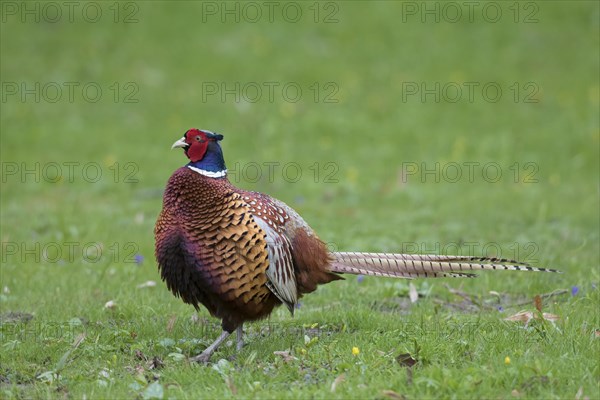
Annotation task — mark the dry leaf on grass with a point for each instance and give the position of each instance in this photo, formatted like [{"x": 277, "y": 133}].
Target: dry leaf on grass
[
  {"x": 230, "y": 385},
  {"x": 527, "y": 316},
  {"x": 110, "y": 305},
  {"x": 579, "y": 395},
  {"x": 337, "y": 381},
  {"x": 140, "y": 356},
  {"x": 406, "y": 360},
  {"x": 550, "y": 317},
  {"x": 171, "y": 323},
  {"x": 393, "y": 395},
  {"x": 537, "y": 300},
  {"x": 156, "y": 363},
  {"x": 412, "y": 293},
  {"x": 285, "y": 355}
]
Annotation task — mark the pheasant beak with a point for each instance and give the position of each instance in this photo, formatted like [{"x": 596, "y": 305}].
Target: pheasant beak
[{"x": 180, "y": 143}]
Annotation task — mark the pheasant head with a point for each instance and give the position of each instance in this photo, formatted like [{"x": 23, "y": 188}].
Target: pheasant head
[{"x": 204, "y": 152}]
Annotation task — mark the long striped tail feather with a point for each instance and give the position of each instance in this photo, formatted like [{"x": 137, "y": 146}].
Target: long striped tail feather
[{"x": 422, "y": 265}]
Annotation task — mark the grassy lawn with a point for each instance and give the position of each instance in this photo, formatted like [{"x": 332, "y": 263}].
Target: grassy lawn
[{"x": 390, "y": 126}]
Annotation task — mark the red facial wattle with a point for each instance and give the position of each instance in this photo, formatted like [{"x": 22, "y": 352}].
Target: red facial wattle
[{"x": 198, "y": 144}]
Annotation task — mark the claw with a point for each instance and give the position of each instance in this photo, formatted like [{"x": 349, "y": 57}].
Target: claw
[{"x": 201, "y": 358}]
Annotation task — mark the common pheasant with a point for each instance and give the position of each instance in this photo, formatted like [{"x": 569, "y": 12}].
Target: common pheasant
[{"x": 241, "y": 253}]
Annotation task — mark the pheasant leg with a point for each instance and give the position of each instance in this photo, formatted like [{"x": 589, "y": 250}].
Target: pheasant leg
[
  {"x": 240, "y": 338},
  {"x": 204, "y": 357}
]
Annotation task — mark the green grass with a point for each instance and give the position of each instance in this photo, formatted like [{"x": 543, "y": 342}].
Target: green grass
[{"x": 139, "y": 348}]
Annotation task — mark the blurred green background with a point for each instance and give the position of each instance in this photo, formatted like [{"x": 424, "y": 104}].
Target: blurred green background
[{"x": 165, "y": 67}]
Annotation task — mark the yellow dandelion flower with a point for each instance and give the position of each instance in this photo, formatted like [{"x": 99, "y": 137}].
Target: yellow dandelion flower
[
  {"x": 507, "y": 360},
  {"x": 355, "y": 351}
]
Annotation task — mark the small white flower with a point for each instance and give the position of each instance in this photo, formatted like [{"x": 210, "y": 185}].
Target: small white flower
[{"x": 146, "y": 284}]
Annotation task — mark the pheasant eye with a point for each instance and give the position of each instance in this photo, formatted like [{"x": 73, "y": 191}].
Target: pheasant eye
[{"x": 199, "y": 139}]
